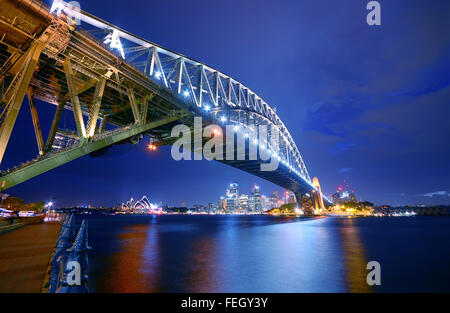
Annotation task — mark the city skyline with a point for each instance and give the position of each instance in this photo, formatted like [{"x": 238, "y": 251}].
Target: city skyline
[
  {"x": 344, "y": 128},
  {"x": 252, "y": 200}
]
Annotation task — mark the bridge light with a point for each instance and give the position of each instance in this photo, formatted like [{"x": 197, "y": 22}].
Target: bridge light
[
  {"x": 207, "y": 108},
  {"x": 57, "y": 6},
  {"x": 246, "y": 135},
  {"x": 236, "y": 128},
  {"x": 113, "y": 39},
  {"x": 223, "y": 119},
  {"x": 158, "y": 75},
  {"x": 186, "y": 93},
  {"x": 255, "y": 141}
]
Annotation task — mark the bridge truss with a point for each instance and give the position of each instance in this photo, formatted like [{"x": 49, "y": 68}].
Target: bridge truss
[{"x": 107, "y": 76}]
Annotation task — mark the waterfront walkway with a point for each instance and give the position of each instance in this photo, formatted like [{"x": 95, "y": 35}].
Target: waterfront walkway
[{"x": 24, "y": 256}]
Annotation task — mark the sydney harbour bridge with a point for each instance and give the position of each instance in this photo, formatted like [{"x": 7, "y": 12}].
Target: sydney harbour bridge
[{"x": 121, "y": 88}]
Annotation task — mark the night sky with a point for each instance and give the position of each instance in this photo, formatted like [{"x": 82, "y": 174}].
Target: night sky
[{"x": 370, "y": 105}]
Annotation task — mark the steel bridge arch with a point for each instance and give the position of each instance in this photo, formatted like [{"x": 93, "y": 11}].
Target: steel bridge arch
[
  {"x": 187, "y": 78},
  {"x": 140, "y": 70},
  {"x": 202, "y": 87}
]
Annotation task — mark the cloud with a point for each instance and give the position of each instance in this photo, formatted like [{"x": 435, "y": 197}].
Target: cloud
[
  {"x": 340, "y": 147},
  {"x": 436, "y": 193}
]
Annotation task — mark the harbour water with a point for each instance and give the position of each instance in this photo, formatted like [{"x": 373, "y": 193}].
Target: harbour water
[{"x": 266, "y": 253}]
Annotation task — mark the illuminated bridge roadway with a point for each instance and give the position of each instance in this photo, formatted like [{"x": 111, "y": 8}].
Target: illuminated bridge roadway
[{"x": 120, "y": 88}]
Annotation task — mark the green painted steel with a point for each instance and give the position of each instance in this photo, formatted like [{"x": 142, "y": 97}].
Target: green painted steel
[
  {"x": 59, "y": 158},
  {"x": 18, "y": 93}
]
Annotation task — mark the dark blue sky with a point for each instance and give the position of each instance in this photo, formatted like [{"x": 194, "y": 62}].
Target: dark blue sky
[{"x": 367, "y": 104}]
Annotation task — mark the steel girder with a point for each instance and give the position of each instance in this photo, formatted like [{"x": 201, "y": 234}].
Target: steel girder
[
  {"x": 196, "y": 85},
  {"x": 148, "y": 70},
  {"x": 16, "y": 93},
  {"x": 52, "y": 160}
]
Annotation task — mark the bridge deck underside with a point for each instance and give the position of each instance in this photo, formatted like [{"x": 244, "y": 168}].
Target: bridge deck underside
[{"x": 91, "y": 62}]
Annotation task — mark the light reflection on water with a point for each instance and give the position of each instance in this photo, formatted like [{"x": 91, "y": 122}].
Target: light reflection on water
[
  {"x": 354, "y": 256},
  {"x": 228, "y": 254}
]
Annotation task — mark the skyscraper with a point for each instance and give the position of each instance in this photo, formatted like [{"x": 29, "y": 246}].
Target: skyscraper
[
  {"x": 233, "y": 190},
  {"x": 222, "y": 204},
  {"x": 256, "y": 199},
  {"x": 232, "y": 204},
  {"x": 233, "y": 197},
  {"x": 243, "y": 203},
  {"x": 211, "y": 208},
  {"x": 272, "y": 201}
]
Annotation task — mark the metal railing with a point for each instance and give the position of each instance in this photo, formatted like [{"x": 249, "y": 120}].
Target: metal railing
[{"x": 69, "y": 265}]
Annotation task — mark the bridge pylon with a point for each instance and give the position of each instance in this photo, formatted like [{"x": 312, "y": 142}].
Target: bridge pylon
[
  {"x": 317, "y": 196},
  {"x": 311, "y": 203}
]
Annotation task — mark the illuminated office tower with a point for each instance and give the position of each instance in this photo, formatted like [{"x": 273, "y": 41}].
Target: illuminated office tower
[
  {"x": 272, "y": 201},
  {"x": 256, "y": 199},
  {"x": 233, "y": 190},
  {"x": 231, "y": 204},
  {"x": 243, "y": 203},
  {"x": 222, "y": 204},
  {"x": 232, "y": 197},
  {"x": 211, "y": 208}
]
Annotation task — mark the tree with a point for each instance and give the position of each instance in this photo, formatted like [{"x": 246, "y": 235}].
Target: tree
[
  {"x": 16, "y": 203},
  {"x": 13, "y": 203}
]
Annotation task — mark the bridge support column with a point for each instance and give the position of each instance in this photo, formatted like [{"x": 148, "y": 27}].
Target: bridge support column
[
  {"x": 36, "y": 124},
  {"x": 315, "y": 201},
  {"x": 95, "y": 108},
  {"x": 134, "y": 106},
  {"x": 144, "y": 110},
  {"x": 54, "y": 128},
  {"x": 78, "y": 115},
  {"x": 19, "y": 88}
]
